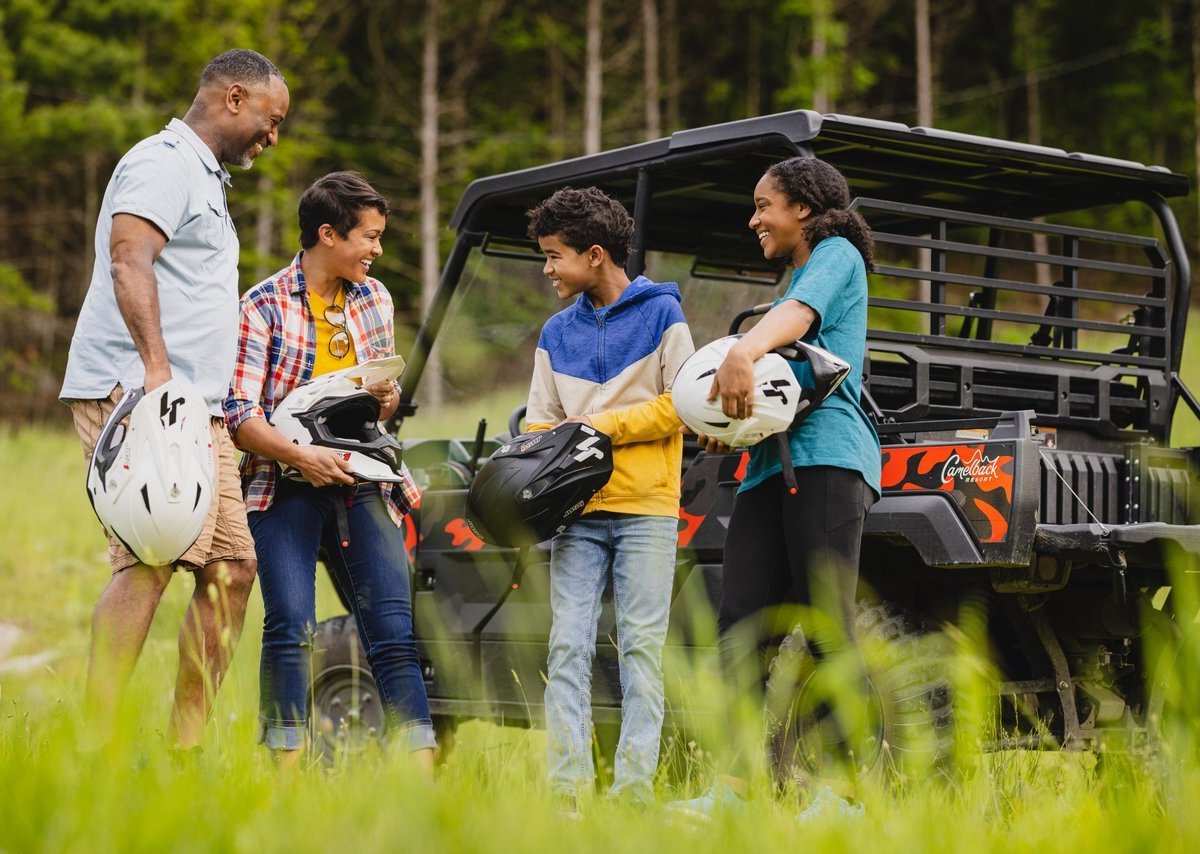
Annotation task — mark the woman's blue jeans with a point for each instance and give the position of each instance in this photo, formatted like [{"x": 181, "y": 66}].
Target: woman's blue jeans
[{"x": 372, "y": 571}]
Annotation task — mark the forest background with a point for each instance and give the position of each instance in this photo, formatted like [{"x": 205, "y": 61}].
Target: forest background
[{"x": 425, "y": 95}]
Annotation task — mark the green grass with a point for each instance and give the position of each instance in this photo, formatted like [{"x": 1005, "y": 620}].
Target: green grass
[{"x": 490, "y": 795}]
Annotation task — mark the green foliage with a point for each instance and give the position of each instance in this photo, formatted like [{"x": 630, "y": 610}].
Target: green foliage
[{"x": 16, "y": 293}]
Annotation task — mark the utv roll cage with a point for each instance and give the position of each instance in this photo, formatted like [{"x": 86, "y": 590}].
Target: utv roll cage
[{"x": 919, "y": 188}]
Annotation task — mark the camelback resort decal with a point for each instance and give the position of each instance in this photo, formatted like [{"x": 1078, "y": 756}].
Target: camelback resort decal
[{"x": 978, "y": 477}]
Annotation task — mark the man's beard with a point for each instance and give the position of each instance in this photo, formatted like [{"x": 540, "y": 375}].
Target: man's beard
[
  {"x": 246, "y": 158},
  {"x": 245, "y": 161}
]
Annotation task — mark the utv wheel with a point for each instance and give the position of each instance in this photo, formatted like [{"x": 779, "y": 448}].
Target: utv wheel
[
  {"x": 907, "y": 727},
  {"x": 346, "y": 713},
  {"x": 1171, "y": 696}
]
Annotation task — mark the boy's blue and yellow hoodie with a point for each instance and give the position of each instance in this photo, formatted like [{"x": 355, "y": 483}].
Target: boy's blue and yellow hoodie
[{"x": 616, "y": 366}]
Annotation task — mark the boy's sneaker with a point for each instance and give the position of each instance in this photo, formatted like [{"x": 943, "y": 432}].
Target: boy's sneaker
[
  {"x": 719, "y": 798},
  {"x": 827, "y": 803},
  {"x": 567, "y": 806}
]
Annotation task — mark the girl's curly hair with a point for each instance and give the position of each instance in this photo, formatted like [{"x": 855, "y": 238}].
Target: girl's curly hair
[{"x": 813, "y": 182}]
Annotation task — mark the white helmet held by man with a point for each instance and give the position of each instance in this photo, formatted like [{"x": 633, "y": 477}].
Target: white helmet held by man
[
  {"x": 779, "y": 399},
  {"x": 151, "y": 481},
  {"x": 334, "y": 412}
]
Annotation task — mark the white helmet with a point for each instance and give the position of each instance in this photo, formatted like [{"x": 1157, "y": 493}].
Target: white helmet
[
  {"x": 151, "y": 483},
  {"x": 334, "y": 412},
  {"x": 779, "y": 402}
]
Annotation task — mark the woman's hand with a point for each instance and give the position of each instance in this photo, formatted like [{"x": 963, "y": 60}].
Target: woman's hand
[
  {"x": 384, "y": 392},
  {"x": 321, "y": 466},
  {"x": 734, "y": 383}
]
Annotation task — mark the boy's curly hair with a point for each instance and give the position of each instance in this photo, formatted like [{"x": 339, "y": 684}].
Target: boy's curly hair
[{"x": 582, "y": 219}]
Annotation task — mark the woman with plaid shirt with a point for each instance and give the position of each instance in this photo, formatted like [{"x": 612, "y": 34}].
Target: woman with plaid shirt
[{"x": 324, "y": 313}]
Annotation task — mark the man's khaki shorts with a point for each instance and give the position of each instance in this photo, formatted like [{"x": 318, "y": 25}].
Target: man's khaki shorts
[{"x": 226, "y": 534}]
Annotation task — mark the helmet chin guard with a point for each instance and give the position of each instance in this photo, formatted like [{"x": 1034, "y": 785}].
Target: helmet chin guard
[
  {"x": 333, "y": 412},
  {"x": 780, "y": 401},
  {"x": 151, "y": 478}
]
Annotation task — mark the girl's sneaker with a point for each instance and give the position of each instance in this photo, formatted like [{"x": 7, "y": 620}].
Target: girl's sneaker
[
  {"x": 719, "y": 798},
  {"x": 828, "y": 803}
]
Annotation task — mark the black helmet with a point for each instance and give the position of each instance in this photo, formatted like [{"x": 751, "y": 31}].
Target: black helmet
[{"x": 537, "y": 484}]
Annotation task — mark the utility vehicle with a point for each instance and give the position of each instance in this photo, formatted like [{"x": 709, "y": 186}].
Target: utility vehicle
[{"x": 1023, "y": 375}]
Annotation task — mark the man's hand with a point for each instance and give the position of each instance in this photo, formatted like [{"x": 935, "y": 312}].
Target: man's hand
[
  {"x": 322, "y": 466},
  {"x": 156, "y": 377},
  {"x": 577, "y": 419}
]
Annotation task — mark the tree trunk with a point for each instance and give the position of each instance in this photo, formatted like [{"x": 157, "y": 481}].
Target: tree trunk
[
  {"x": 924, "y": 66},
  {"x": 593, "y": 87},
  {"x": 557, "y": 90},
  {"x": 431, "y": 384},
  {"x": 820, "y": 51},
  {"x": 671, "y": 49},
  {"x": 1029, "y": 47},
  {"x": 754, "y": 61},
  {"x": 265, "y": 222},
  {"x": 924, "y": 115},
  {"x": 91, "y": 211},
  {"x": 264, "y": 228},
  {"x": 651, "y": 64}
]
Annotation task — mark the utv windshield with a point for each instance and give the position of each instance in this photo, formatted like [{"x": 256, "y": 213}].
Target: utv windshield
[{"x": 482, "y": 359}]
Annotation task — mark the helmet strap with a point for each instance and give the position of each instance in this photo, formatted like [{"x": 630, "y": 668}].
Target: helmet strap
[{"x": 785, "y": 457}]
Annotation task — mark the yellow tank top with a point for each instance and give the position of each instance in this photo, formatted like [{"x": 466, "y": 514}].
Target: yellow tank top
[{"x": 326, "y": 361}]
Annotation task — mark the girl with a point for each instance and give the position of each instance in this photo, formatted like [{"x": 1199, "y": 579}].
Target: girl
[{"x": 803, "y": 548}]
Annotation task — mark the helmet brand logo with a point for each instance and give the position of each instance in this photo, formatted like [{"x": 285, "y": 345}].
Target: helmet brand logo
[
  {"x": 775, "y": 389},
  {"x": 530, "y": 443},
  {"x": 587, "y": 452},
  {"x": 168, "y": 413},
  {"x": 570, "y": 510}
]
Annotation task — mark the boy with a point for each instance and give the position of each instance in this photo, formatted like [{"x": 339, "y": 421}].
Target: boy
[{"x": 608, "y": 361}]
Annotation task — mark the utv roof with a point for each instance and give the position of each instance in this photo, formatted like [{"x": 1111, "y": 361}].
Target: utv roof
[{"x": 702, "y": 178}]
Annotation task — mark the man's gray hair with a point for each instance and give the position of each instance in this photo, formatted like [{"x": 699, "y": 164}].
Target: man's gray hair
[{"x": 239, "y": 66}]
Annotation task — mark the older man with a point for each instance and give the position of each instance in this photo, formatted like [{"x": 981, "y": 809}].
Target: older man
[{"x": 163, "y": 301}]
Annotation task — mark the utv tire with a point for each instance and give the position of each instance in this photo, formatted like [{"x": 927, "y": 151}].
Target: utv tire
[
  {"x": 1170, "y": 694},
  {"x": 908, "y": 728},
  {"x": 345, "y": 711}
]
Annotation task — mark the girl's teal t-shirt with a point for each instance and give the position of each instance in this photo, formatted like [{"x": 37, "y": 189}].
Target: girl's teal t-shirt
[{"x": 838, "y": 433}]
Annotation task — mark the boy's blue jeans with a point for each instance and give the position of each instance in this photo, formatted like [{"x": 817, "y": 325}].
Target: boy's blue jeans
[
  {"x": 373, "y": 573},
  {"x": 640, "y": 552}
]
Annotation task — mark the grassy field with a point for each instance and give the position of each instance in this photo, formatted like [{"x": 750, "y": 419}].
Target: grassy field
[{"x": 489, "y": 796}]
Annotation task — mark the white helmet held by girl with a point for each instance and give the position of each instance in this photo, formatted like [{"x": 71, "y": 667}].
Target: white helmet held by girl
[{"x": 779, "y": 400}]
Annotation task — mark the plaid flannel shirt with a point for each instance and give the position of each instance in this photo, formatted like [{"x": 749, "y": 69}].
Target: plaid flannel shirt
[{"x": 275, "y": 354}]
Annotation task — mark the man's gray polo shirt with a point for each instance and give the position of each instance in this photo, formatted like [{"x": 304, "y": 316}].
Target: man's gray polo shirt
[{"x": 173, "y": 180}]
